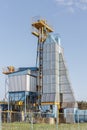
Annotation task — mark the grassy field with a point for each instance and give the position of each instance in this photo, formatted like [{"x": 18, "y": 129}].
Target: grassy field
[{"x": 27, "y": 126}]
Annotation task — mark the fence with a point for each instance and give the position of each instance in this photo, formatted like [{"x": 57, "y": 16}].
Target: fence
[{"x": 39, "y": 121}]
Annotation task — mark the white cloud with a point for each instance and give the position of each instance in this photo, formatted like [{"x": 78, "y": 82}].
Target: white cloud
[{"x": 72, "y": 5}]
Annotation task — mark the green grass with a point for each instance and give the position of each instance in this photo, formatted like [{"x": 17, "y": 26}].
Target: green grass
[{"x": 27, "y": 126}]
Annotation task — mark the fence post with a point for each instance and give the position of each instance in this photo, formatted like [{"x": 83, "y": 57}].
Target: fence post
[
  {"x": 57, "y": 118},
  {"x": 78, "y": 121},
  {"x": 32, "y": 121},
  {"x": 0, "y": 118}
]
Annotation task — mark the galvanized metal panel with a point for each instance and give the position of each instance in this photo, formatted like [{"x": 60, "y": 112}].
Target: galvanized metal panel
[
  {"x": 33, "y": 84},
  {"x": 50, "y": 72},
  {"x": 27, "y": 82},
  {"x": 22, "y": 83}
]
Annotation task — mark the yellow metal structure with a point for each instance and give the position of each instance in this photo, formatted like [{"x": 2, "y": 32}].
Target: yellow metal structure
[
  {"x": 51, "y": 103},
  {"x": 8, "y": 70},
  {"x": 2, "y": 102},
  {"x": 41, "y": 30},
  {"x": 20, "y": 103}
]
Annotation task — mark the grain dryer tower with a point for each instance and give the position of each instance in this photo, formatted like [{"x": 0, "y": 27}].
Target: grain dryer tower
[
  {"x": 46, "y": 86},
  {"x": 54, "y": 89}
]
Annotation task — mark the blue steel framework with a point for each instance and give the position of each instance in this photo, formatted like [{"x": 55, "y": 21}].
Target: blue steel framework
[{"x": 22, "y": 99}]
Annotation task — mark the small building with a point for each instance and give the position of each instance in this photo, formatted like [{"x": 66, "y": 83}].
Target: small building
[{"x": 22, "y": 89}]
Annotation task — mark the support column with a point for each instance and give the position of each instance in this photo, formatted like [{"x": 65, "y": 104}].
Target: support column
[
  {"x": 25, "y": 106},
  {"x": 0, "y": 118}
]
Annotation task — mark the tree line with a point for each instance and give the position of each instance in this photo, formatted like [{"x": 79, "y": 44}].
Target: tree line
[{"x": 82, "y": 105}]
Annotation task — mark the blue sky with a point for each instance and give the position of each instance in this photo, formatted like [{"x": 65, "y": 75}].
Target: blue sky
[{"x": 18, "y": 45}]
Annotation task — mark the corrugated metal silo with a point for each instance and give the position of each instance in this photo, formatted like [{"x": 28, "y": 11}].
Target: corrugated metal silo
[{"x": 50, "y": 71}]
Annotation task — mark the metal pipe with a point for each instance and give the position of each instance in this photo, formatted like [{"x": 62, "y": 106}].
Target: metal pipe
[
  {"x": 0, "y": 118},
  {"x": 25, "y": 105}
]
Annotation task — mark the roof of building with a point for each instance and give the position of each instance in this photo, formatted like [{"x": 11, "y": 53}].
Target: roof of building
[{"x": 23, "y": 71}]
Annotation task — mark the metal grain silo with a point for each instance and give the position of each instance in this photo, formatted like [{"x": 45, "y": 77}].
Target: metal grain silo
[{"x": 50, "y": 71}]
